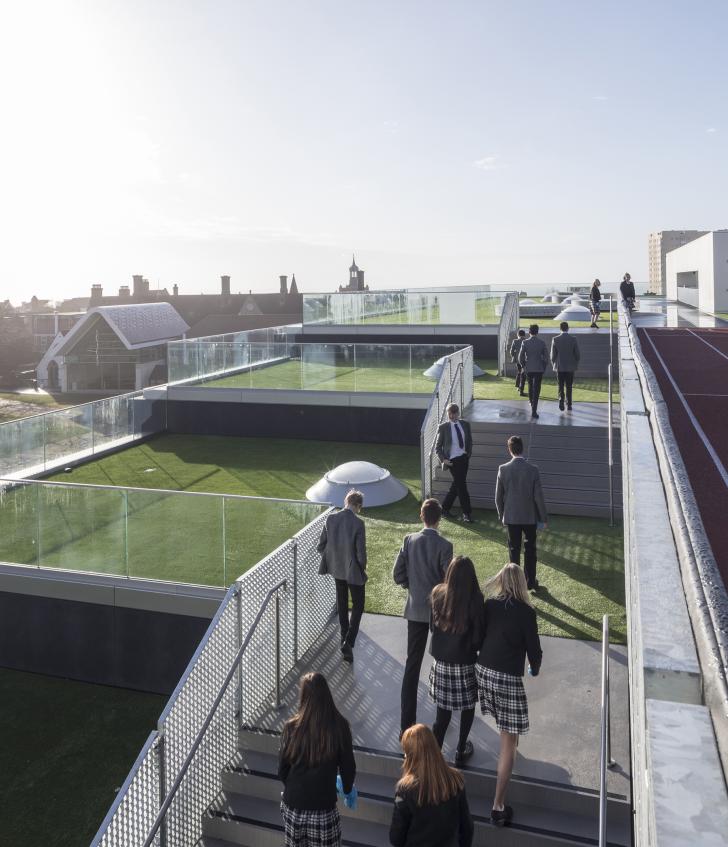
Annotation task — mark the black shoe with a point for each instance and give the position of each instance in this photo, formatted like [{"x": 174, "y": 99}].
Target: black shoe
[
  {"x": 446, "y": 513},
  {"x": 466, "y": 518},
  {"x": 501, "y": 818},
  {"x": 533, "y": 586},
  {"x": 534, "y": 414},
  {"x": 347, "y": 653},
  {"x": 568, "y": 408},
  {"x": 462, "y": 756},
  {"x": 523, "y": 394},
  {"x": 561, "y": 405}
]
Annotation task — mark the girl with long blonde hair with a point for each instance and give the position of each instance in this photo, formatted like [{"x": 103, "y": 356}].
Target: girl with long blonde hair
[
  {"x": 511, "y": 634},
  {"x": 430, "y": 803}
]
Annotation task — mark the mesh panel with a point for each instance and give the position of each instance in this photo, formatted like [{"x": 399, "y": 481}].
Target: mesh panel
[
  {"x": 316, "y": 594},
  {"x": 191, "y": 703},
  {"x": 508, "y": 325},
  {"x": 132, "y": 817}
]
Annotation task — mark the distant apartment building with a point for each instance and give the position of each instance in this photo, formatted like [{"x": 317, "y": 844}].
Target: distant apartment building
[
  {"x": 659, "y": 245},
  {"x": 45, "y": 326}
]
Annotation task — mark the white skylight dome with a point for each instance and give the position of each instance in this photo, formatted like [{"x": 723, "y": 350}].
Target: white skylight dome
[
  {"x": 527, "y": 301},
  {"x": 435, "y": 370},
  {"x": 551, "y": 298},
  {"x": 377, "y": 485},
  {"x": 574, "y": 298},
  {"x": 574, "y": 313}
]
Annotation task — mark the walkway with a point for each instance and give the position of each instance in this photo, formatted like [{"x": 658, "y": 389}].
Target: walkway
[{"x": 564, "y": 703}]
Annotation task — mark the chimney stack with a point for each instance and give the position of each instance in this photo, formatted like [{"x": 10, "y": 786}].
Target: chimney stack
[
  {"x": 175, "y": 290},
  {"x": 97, "y": 292},
  {"x": 360, "y": 280},
  {"x": 284, "y": 283},
  {"x": 124, "y": 291},
  {"x": 137, "y": 285},
  {"x": 225, "y": 281}
]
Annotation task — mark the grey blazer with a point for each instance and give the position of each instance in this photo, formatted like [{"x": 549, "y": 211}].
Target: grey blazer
[
  {"x": 518, "y": 493},
  {"x": 343, "y": 547},
  {"x": 420, "y": 566},
  {"x": 444, "y": 440},
  {"x": 533, "y": 355},
  {"x": 565, "y": 353}
]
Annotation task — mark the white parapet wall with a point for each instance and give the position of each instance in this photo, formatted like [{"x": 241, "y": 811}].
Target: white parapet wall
[
  {"x": 678, "y": 785},
  {"x": 697, "y": 273}
]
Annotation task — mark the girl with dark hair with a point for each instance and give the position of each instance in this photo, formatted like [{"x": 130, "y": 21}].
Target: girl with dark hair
[
  {"x": 430, "y": 804},
  {"x": 457, "y": 625},
  {"x": 316, "y": 745}
]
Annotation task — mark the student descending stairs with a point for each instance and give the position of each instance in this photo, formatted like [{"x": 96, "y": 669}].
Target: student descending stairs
[
  {"x": 573, "y": 462},
  {"x": 247, "y": 810}
]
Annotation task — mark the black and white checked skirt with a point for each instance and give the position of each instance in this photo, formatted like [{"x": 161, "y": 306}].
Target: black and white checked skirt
[
  {"x": 453, "y": 687},
  {"x": 311, "y": 829},
  {"x": 503, "y": 696}
]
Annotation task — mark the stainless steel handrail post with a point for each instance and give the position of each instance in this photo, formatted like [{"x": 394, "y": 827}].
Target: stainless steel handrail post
[
  {"x": 278, "y": 650},
  {"x": 239, "y": 640},
  {"x": 295, "y": 600},
  {"x": 162, "y": 787},
  {"x": 610, "y": 445},
  {"x": 605, "y": 753}
]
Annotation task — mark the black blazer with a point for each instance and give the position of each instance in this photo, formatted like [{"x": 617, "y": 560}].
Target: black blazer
[{"x": 447, "y": 825}]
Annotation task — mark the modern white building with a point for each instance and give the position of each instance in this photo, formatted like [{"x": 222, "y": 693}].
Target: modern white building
[
  {"x": 659, "y": 245},
  {"x": 697, "y": 273}
]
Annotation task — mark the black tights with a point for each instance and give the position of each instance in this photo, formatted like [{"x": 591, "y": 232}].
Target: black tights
[{"x": 442, "y": 721}]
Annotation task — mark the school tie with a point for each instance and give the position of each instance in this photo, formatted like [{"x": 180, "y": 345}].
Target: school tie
[{"x": 460, "y": 436}]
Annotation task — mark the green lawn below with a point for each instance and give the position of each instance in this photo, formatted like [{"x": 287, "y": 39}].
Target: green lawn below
[
  {"x": 492, "y": 386},
  {"x": 67, "y": 748},
  {"x": 580, "y": 559}
]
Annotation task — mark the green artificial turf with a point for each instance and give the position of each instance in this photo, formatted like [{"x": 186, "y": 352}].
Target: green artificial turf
[
  {"x": 580, "y": 559},
  {"x": 394, "y": 377},
  {"x": 492, "y": 386},
  {"x": 66, "y": 749}
]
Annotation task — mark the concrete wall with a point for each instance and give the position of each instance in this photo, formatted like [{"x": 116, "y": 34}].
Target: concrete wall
[
  {"x": 679, "y": 792},
  {"x": 706, "y": 258},
  {"x": 130, "y": 633}
]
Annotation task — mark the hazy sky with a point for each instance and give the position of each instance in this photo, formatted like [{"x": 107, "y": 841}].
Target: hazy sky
[{"x": 446, "y": 143}]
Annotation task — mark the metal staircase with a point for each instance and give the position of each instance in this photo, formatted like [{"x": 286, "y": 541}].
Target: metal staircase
[{"x": 246, "y": 812}]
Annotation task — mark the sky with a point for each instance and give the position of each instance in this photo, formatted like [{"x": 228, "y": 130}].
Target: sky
[{"x": 501, "y": 143}]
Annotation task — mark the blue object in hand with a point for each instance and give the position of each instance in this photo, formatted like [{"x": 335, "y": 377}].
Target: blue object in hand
[
  {"x": 350, "y": 799},
  {"x": 530, "y": 671}
]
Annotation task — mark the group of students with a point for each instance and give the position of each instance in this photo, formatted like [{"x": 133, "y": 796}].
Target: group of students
[
  {"x": 626, "y": 292},
  {"x": 479, "y": 643}
]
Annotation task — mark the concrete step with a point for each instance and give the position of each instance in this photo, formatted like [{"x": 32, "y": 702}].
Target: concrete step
[{"x": 247, "y": 811}]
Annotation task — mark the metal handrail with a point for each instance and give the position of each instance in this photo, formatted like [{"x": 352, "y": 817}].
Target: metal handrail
[
  {"x": 87, "y": 485},
  {"x": 605, "y": 746},
  {"x": 610, "y": 444},
  {"x": 167, "y": 802},
  {"x": 444, "y": 406}
]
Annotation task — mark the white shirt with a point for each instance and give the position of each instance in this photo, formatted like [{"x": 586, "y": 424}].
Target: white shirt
[{"x": 455, "y": 448}]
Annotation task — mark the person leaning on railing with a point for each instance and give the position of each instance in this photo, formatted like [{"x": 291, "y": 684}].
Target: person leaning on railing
[
  {"x": 430, "y": 803},
  {"x": 511, "y": 634},
  {"x": 316, "y": 745}
]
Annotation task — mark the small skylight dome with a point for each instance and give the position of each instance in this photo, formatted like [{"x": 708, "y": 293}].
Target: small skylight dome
[
  {"x": 551, "y": 298},
  {"x": 526, "y": 302},
  {"x": 574, "y": 298},
  {"x": 435, "y": 370},
  {"x": 377, "y": 485},
  {"x": 574, "y": 313}
]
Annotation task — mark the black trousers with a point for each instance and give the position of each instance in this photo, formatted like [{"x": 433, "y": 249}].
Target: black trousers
[
  {"x": 566, "y": 381},
  {"x": 520, "y": 377},
  {"x": 349, "y": 627},
  {"x": 534, "y": 389},
  {"x": 417, "y": 632},
  {"x": 515, "y": 532},
  {"x": 459, "y": 488}
]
